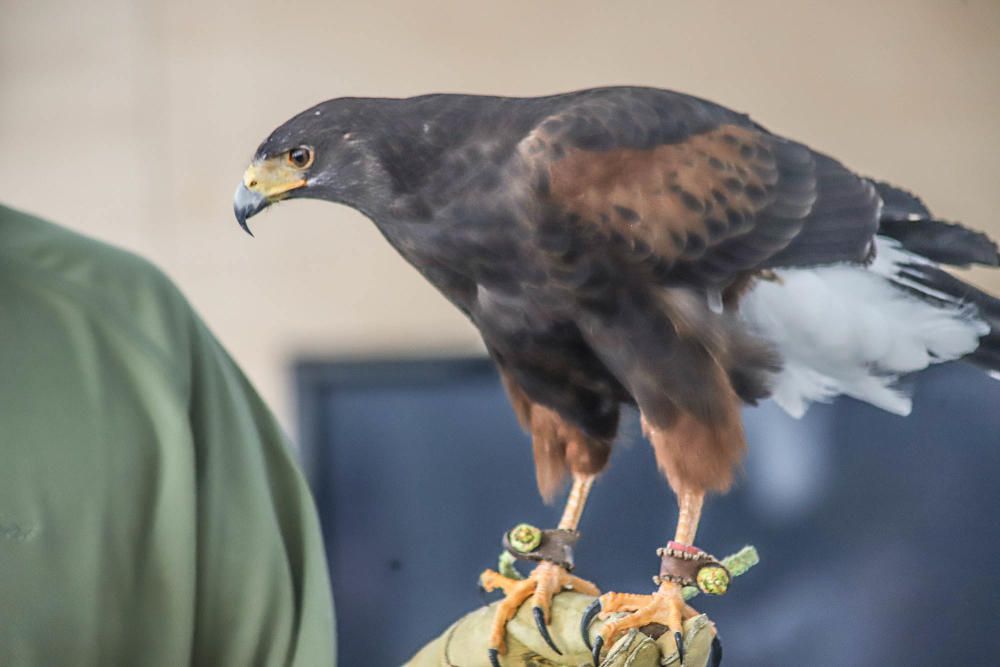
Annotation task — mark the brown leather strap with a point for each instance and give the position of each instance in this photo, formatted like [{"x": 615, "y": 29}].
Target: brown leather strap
[
  {"x": 681, "y": 564},
  {"x": 556, "y": 546}
]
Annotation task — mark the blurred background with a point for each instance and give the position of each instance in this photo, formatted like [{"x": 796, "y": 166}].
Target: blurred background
[{"x": 133, "y": 121}]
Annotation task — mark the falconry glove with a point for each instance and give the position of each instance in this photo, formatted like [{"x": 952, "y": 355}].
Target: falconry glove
[{"x": 465, "y": 642}]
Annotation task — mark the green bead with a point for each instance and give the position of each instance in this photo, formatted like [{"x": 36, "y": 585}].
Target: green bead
[
  {"x": 713, "y": 580},
  {"x": 524, "y": 537}
]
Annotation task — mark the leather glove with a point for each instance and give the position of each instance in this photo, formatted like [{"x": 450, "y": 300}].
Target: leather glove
[{"x": 464, "y": 644}]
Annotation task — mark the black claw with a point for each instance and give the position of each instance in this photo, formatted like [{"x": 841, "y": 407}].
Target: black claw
[
  {"x": 596, "y": 652},
  {"x": 715, "y": 657},
  {"x": 592, "y": 610},
  {"x": 494, "y": 657},
  {"x": 680, "y": 646},
  {"x": 542, "y": 630}
]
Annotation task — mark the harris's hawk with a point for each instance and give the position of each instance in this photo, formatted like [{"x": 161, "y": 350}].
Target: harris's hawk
[{"x": 637, "y": 246}]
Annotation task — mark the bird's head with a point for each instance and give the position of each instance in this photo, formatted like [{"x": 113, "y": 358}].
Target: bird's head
[{"x": 324, "y": 152}]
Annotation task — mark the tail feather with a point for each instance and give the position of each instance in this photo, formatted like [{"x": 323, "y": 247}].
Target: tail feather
[
  {"x": 856, "y": 330},
  {"x": 900, "y": 204},
  {"x": 904, "y": 217},
  {"x": 987, "y": 355}
]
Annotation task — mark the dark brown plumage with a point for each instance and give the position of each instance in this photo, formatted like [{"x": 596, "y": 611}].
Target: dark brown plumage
[
  {"x": 635, "y": 246},
  {"x": 586, "y": 235}
]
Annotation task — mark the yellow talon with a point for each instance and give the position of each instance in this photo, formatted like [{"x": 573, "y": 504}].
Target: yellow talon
[
  {"x": 544, "y": 582},
  {"x": 665, "y": 607}
]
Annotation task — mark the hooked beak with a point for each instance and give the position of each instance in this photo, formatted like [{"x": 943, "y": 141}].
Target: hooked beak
[
  {"x": 246, "y": 204},
  {"x": 264, "y": 183}
]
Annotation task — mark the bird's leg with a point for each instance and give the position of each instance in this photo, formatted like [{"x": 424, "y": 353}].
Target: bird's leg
[
  {"x": 681, "y": 565},
  {"x": 553, "y": 552},
  {"x": 575, "y": 502},
  {"x": 688, "y": 515}
]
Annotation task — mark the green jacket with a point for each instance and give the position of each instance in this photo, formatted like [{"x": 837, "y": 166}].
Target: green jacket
[{"x": 150, "y": 511}]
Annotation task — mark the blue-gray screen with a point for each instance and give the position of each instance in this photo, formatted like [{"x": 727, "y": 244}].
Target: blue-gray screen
[{"x": 878, "y": 534}]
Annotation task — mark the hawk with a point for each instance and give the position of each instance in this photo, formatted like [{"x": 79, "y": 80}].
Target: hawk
[{"x": 640, "y": 247}]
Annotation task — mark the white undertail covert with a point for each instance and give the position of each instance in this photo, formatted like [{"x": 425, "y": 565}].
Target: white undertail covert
[{"x": 854, "y": 330}]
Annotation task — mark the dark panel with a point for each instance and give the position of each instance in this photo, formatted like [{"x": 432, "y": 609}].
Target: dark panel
[{"x": 878, "y": 534}]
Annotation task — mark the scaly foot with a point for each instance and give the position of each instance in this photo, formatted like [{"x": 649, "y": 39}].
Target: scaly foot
[
  {"x": 544, "y": 582},
  {"x": 665, "y": 607}
]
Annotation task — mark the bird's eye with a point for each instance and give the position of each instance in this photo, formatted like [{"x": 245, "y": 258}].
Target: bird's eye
[{"x": 300, "y": 157}]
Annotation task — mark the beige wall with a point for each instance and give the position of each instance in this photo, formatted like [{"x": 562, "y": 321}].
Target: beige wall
[{"x": 133, "y": 121}]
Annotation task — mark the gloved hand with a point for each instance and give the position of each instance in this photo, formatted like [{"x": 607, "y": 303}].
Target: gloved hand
[{"x": 465, "y": 642}]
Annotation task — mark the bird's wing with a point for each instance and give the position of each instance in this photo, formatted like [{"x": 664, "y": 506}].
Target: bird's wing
[{"x": 690, "y": 191}]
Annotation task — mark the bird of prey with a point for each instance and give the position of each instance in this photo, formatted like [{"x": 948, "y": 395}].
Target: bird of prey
[{"x": 640, "y": 247}]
